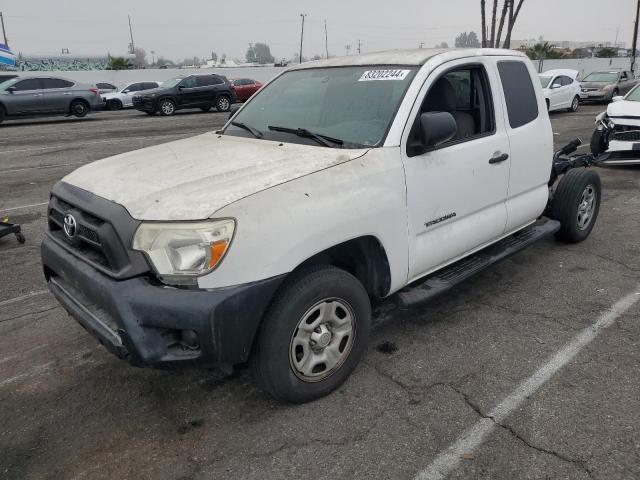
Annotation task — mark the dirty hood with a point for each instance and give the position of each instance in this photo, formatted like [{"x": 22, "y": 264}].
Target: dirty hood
[{"x": 191, "y": 179}]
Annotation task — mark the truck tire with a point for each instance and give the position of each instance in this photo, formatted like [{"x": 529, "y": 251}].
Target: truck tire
[
  {"x": 79, "y": 108},
  {"x": 313, "y": 335},
  {"x": 114, "y": 105},
  {"x": 598, "y": 143},
  {"x": 576, "y": 203}
]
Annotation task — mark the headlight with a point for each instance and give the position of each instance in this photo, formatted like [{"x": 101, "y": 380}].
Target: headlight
[{"x": 181, "y": 251}]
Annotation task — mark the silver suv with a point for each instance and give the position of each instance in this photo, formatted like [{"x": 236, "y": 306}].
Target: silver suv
[{"x": 45, "y": 96}]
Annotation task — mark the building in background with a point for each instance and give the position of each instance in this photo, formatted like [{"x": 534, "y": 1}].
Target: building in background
[{"x": 7, "y": 58}]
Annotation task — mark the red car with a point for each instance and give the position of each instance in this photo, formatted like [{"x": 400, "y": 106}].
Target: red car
[{"x": 245, "y": 87}]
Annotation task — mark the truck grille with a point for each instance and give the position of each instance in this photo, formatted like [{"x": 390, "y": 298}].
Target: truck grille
[{"x": 629, "y": 136}]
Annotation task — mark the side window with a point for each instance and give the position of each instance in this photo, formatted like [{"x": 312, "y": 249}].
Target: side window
[
  {"x": 189, "y": 82},
  {"x": 522, "y": 104},
  {"x": 465, "y": 94},
  {"x": 134, "y": 87},
  {"x": 566, "y": 81},
  {"x": 29, "y": 84},
  {"x": 50, "y": 83},
  {"x": 215, "y": 80},
  {"x": 623, "y": 76},
  {"x": 150, "y": 85}
]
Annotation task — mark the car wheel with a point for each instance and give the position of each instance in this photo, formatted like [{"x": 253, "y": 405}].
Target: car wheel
[
  {"x": 223, "y": 104},
  {"x": 167, "y": 107},
  {"x": 79, "y": 108},
  {"x": 205, "y": 109},
  {"x": 313, "y": 335},
  {"x": 576, "y": 203},
  {"x": 575, "y": 104},
  {"x": 598, "y": 142},
  {"x": 114, "y": 105}
]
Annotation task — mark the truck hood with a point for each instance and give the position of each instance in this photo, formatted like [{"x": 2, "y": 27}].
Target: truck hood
[
  {"x": 624, "y": 113},
  {"x": 190, "y": 179}
]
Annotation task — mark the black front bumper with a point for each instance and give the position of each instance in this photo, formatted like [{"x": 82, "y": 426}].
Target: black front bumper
[
  {"x": 143, "y": 321},
  {"x": 145, "y": 104}
]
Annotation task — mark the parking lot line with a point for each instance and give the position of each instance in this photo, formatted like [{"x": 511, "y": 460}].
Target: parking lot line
[
  {"x": 23, "y": 206},
  {"x": 475, "y": 436},
  {"x": 4, "y": 303}
]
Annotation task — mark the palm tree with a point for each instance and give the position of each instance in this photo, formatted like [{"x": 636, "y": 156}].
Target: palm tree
[
  {"x": 118, "y": 63},
  {"x": 542, "y": 51}
]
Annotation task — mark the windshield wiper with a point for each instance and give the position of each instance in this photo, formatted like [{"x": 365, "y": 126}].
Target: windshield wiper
[
  {"x": 253, "y": 131},
  {"x": 303, "y": 132}
]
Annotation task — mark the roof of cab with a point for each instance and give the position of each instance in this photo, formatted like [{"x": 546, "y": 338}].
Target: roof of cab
[{"x": 415, "y": 57}]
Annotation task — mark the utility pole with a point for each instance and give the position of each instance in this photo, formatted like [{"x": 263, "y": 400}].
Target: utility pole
[
  {"x": 347, "y": 48},
  {"x": 359, "y": 47},
  {"x": 132, "y": 47},
  {"x": 4, "y": 32},
  {"x": 302, "y": 34},
  {"x": 326, "y": 39},
  {"x": 421, "y": 45},
  {"x": 635, "y": 40}
]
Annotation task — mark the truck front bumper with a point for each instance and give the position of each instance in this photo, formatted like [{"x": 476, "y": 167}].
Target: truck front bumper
[{"x": 149, "y": 324}]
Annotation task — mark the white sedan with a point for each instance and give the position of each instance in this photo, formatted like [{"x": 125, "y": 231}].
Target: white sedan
[
  {"x": 123, "y": 96},
  {"x": 561, "y": 89},
  {"x": 617, "y": 134}
]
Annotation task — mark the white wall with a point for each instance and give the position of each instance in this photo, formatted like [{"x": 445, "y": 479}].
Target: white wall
[
  {"x": 586, "y": 65},
  {"x": 118, "y": 77}
]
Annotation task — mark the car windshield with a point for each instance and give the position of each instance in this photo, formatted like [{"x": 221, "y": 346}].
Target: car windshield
[
  {"x": 544, "y": 81},
  {"x": 354, "y": 105},
  {"x": 608, "y": 77},
  {"x": 634, "y": 95},
  {"x": 172, "y": 82}
]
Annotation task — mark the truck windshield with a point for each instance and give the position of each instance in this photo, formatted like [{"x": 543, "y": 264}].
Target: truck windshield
[
  {"x": 608, "y": 77},
  {"x": 353, "y": 105}
]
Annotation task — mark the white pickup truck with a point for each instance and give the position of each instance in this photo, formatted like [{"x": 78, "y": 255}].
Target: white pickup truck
[{"x": 342, "y": 181}]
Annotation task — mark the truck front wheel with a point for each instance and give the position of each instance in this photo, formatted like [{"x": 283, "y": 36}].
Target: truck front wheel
[
  {"x": 576, "y": 203},
  {"x": 313, "y": 335}
]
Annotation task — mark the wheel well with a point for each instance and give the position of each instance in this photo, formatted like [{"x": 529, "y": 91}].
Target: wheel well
[
  {"x": 363, "y": 257},
  {"x": 116, "y": 100}
]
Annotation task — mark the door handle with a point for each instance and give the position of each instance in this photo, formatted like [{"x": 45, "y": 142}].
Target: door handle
[
  {"x": 499, "y": 158},
  {"x": 68, "y": 93}
]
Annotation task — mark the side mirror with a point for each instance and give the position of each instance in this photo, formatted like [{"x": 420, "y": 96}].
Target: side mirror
[
  {"x": 181, "y": 87},
  {"x": 125, "y": 91},
  {"x": 233, "y": 110},
  {"x": 11, "y": 89},
  {"x": 617, "y": 98},
  {"x": 556, "y": 85},
  {"x": 437, "y": 128}
]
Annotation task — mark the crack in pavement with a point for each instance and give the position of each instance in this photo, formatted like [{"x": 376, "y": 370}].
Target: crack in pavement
[
  {"x": 475, "y": 407},
  {"x": 18, "y": 317}
]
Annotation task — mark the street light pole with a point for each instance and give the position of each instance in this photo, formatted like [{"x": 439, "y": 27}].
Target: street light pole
[
  {"x": 302, "y": 34},
  {"x": 635, "y": 40}
]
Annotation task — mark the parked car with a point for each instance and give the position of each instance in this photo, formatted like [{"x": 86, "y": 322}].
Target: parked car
[
  {"x": 616, "y": 137},
  {"x": 122, "y": 97},
  {"x": 29, "y": 96},
  {"x": 245, "y": 88},
  {"x": 561, "y": 90},
  {"x": 105, "y": 87},
  {"x": 344, "y": 180},
  {"x": 602, "y": 86},
  {"x": 7, "y": 76},
  {"x": 202, "y": 91}
]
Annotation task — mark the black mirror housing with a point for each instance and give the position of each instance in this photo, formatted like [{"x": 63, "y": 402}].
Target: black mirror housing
[
  {"x": 11, "y": 89},
  {"x": 437, "y": 128}
]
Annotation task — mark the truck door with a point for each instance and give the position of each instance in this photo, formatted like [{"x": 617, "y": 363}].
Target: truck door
[
  {"x": 530, "y": 140},
  {"x": 456, "y": 191}
]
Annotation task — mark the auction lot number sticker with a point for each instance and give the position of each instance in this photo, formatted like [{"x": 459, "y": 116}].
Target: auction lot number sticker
[{"x": 373, "y": 75}]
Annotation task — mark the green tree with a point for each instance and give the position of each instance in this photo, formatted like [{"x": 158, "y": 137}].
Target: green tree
[
  {"x": 607, "y": 53},
  {"x": 118, "y": 63},
  {"x": 542, "y": 51},
  {"x": 467, "y": 40},
  {"x": 259, "y": 53}
]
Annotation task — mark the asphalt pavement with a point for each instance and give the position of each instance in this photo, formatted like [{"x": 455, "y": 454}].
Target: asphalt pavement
[{"x": 527, "y": 371}]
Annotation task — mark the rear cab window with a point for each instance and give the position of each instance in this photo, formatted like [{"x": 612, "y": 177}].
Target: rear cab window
[{"x": 519, "y": 94}]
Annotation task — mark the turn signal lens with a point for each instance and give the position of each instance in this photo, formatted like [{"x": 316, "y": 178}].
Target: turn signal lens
[{"x": 217, "y": 251}]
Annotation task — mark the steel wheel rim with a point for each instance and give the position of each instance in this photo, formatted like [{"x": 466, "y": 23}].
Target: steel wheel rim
[
  {"x": 586, "y": 207},
  {"x": 167, "y": 108},
  {"x": 223, "y": 103},
  {"x": 322, "y": 340}
]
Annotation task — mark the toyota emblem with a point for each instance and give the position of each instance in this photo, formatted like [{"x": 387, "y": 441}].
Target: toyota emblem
[{"x": 70, "y": 226}]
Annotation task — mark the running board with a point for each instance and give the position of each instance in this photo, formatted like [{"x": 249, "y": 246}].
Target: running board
[{"x": 443, "y": 280}]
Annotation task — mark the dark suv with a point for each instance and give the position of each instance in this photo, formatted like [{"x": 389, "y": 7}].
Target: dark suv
[{"x": 192, "y": 91}]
